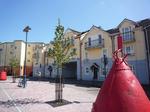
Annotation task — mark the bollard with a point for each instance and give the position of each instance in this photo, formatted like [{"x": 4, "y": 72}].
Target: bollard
[
  {"x": 3, "y": 75},
  {"x": 121, "y": 91}
]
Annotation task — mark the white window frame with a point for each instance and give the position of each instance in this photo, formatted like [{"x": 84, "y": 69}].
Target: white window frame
[
  {"x": 131, "y": 50},
  {"x": 127, "y": 33}
]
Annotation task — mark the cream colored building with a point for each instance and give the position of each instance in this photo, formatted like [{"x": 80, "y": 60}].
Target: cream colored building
[
  {"x": 71, "y": 69},
  {"x": 96, "y": 44},
  {"x": 92, "y": 47},
  {"x": 16, "y": 49},
  {"x": 134, "y": 44},
  {"x": 9, "y": 50}
]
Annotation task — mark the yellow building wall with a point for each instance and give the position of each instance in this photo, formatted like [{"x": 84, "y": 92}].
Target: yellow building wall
[
  {"x": 96, "y": 53},
  {"x": 76, "y": 44},
  {"x": 138, "y": 44}
]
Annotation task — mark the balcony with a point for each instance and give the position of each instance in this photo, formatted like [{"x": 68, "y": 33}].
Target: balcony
[
  {"x": 71, "y": 42},
  {"x": 94, "y": 44},
  {"x": 128, "y": 37}
]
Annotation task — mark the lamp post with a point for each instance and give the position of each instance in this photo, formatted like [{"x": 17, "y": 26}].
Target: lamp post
[
  {"x": 105, "y": 64},
  {"x": 26, "y": 29}
]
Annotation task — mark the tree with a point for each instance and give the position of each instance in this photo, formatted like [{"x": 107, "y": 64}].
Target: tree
[
  {"x": 14, "y": 63},
  {"x": 61, "y": 53}
]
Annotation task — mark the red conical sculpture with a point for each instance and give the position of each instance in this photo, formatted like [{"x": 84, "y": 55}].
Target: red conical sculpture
[{"x": 121, "y": 91}]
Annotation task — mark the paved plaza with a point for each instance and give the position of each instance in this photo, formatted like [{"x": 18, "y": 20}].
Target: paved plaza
[{"x": 35, "y": 96}]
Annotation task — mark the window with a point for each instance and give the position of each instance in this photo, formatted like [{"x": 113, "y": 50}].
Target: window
[
  {"x": 100, "y": 38},
  {"x": 87, "y": 70},
  {"x": 28, "y": 60},
  {"x": 28, "y": 52},
  {"x": 72, "y": 40},
  {"x": 129, "y": 50},
  {"x": 86, "y": 55},
  {"x": 11, "y": 52},
  {"x": 127, "y": 33},
  {"x": 89, "y": 41},
  {"x": 29, "y": 45},
  {"x": 15, "y": 47}
]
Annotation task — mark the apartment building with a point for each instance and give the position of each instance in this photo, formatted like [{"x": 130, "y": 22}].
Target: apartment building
[
  {"x": 16, "y": 49},
  {"x": 96, "y": 54},
  {"x": 72, "y": 68},
  {"x": 94, "y": 49},
  {"x": 9, "y": 50},
  {"x": 136, "y": 45},
  {"x": 39, "y": 62}
]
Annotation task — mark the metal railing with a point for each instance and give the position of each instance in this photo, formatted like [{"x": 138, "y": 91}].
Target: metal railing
[
  {"x": 95, "y": 43},
  {"x": 128, "y": 36}
]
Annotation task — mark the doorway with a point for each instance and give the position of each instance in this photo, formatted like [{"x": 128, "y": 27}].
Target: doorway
[{"x": 95, "y": 69}]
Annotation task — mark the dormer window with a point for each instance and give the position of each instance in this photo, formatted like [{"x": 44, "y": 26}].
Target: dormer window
[
  {"x": 127, "y": 33},
  {"x": 89, "y": 41},
  {"x": 100, "y": 38}
]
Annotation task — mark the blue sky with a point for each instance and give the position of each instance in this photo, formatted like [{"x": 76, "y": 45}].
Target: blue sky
[{"x": 42, "y": 16}]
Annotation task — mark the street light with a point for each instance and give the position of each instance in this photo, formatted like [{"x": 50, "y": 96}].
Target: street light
[
  {"x": 105, "y": 61},
  {"x": 26, "y": 29}
]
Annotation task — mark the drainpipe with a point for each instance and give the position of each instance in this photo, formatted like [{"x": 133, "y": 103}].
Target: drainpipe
[
  {"x": 44, "y": 61},
  {"x": 5, "y": 57},
  {"x": 80, "y": 59},
  {"x": 112, "y": 43},
  {"x": 147, "y": 49}
]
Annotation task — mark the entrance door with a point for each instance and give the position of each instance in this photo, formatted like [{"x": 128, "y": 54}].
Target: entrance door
[{"x": 95, "y": 73}]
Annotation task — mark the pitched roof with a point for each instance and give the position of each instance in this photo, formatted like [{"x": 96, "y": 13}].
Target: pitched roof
[
  {"x": 144, "y": 22},
  {"x": 112, "y": 31},
  {"x": 133, "y": 22},
  {"x": 73, "y": 30}
]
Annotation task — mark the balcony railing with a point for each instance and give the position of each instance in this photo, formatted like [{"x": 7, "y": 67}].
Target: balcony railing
[
  {"x": 95, "y": 44},
  {"x": 71, "y": 42},
  {"x": 128, "y": 37}
]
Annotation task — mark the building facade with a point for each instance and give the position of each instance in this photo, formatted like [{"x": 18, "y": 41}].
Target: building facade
[
  {"x": 135, "y": 45},
  {"x": 94, "y": 49},
  {"x": 16, "y": 50},
  {"x": 12, "y": 50},
  {"x": 96, "y": 54}
]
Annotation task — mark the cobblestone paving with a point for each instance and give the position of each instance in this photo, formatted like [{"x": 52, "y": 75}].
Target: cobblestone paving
[{"x": 33, "y": 98}]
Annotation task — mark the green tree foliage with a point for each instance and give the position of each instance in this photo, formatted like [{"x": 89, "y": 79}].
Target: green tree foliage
[
  {"x": 14, "y": 63},
  {"x": 61, "y": 51}
]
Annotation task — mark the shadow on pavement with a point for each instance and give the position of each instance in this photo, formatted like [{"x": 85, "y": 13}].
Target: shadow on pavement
[
  {"x": 55, "y": 103},
  {"x": 19, "y": 102},
  {"x": 81, "y": 83}
]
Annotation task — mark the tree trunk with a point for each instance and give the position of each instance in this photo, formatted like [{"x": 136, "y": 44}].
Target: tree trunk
[
  {"x": 58, "y": 86},
  {"x": 14, "y": 77}
]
